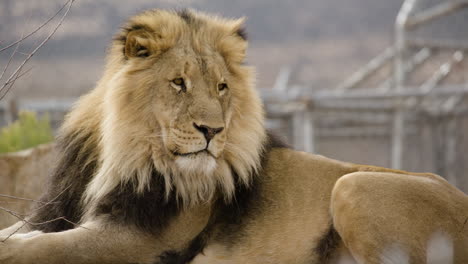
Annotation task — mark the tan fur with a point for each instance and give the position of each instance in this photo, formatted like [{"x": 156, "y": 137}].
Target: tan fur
[
  {"x": 160, "y": 121},
  {"x": 138, "y": 118}
]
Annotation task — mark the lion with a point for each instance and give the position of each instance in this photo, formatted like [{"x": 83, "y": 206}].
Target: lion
[{"x": 168, "y": 160}]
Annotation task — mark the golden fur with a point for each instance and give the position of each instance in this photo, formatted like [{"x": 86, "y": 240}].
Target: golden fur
[
  {"x": 159, "y": 119},
  {"x": 176, "y": 116}
]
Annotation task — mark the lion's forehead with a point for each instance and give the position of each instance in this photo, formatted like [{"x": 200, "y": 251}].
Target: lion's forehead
[
  {"x": 207, "y": 36},
  {"x": 190, "y": 62}
]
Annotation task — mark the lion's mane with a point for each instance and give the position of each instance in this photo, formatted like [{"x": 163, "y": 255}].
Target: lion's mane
[{"x": 108, "y": 143}]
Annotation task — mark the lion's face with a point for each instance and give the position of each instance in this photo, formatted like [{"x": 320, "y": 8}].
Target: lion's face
[
  {"x": 187, "y": 81},
  {"x": 177, "y": 97},
  {"x": 191, "y": 102}
]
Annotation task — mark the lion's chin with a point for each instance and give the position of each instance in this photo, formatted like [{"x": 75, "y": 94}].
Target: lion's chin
[{"x": 200, "y": 163}]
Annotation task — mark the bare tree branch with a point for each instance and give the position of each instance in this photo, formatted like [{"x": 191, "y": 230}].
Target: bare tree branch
[
  {"x": 35, "y": 30},
  {"x": 14, "y": 232},
  {"x": 18, "y": 75},
  {"x": 53, "y": 199},
  {"x": 10, "y": 59},
  {"x": 5, "y": 88},
  {"x": 22, "y": 217},
  {"x": 14, "y": 76},
  {"x": 13, "y": 213},
  {"x": 23, "y": 199}
]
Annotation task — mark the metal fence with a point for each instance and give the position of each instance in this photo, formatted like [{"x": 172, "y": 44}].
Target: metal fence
[{"x": 406, "y": 109}]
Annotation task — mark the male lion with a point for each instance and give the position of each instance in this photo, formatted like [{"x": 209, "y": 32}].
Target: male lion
[{"x": 167, "y": 161}]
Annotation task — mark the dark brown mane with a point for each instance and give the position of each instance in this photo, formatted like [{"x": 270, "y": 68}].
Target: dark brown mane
[{"x": 74, "y": 169}]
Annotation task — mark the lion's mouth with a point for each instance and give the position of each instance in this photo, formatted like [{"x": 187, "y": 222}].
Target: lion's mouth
[{"x": 176, "y": 153}]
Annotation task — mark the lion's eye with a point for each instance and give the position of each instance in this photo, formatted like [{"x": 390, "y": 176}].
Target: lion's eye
[
  {"x": 180, "y": 83},
  {"x": 222, "y": 87}
]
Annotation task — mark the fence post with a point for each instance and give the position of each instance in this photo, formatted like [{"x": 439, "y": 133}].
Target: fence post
[
  {"x": 11, "y": 111},
  {"x": 309, "y": 131},
  {"x": 400, "y": 76},
  {"x": 450, "y": 150},
  {"x": 297, "y": 131},
  {"x": 304, "y": 131}
]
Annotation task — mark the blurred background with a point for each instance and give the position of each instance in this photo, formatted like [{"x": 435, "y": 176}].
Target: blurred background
[
  {"x": 369, "y": 81},
  {"x": 323, "y": 41}
]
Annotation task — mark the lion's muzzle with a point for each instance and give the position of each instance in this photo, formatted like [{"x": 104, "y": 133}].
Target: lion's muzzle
[{"x": 208, "y": 132}]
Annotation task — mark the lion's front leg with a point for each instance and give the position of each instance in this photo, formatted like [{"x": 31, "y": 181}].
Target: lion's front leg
[
  {"x": 91, "y": 243},
  {"x": 18, "y": 228}
]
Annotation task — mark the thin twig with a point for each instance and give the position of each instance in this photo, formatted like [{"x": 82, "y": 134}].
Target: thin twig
[
  {"x": 11, "y": 212},
  {"x": 22, "y": 217},
  {"x": 37, "y": 29},
  {"x": 22, "y": 74},
  {"x": 12, "y": 77},
  {"x": 14, "y": 232},
  {"x": 22, "y": 53},
  {"x": 20, "y": 198},
  {"x": 19, "y": 75},
  {"x": 53, "y": 199},
  {"x": 7, "y": 202},
  {"x": 19, "y": 217},
  {"x": 56, "y": 219},
  {"x": 10, "y": 59}
]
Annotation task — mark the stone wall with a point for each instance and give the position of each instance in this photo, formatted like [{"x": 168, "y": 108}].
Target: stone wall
[{"x": 23, "y": 174}]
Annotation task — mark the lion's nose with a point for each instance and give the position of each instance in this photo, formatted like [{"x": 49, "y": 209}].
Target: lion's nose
[{"x": 208, "y": 132}]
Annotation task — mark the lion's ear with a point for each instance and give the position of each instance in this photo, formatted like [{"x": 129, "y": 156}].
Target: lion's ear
[
  {"x": 139, "y": 43},
  {"x": 238, "y": 28},
  {"x": 234, "y": 46}
]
